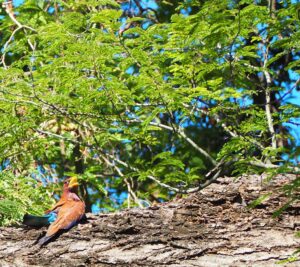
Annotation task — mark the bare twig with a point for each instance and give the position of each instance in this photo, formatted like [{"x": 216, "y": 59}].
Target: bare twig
[
  {"x": 271, "y": 166},
  {"x": 56, "y": 136},
  {"x": 269, "y": 118},
  {"x": 130, "y": 191},
  {"x": 232, "y": 133},
  {"x": 142, "y": 9},
  {"x": 9, "y": 10},
  {"x": 6, "y": 45},
  {"x": 32, "y": 46},
  {"x": 217, "y": 118},
  {"x": 126, "y": 27},
  {"x": 171, "y": 188},
  {"x": 290, "y": 90},
  {"x": 8, "y": 6},
  {"x": 217, "y": 168},
  {"x": 268, "y": 100},
  {"x": 205, "y": 184},
  {"x": 18, "y": 101},
  {"x": 198, "y": 148},
  {"x": 232, "y": 45},
  {"x": 181, "y": 132}
]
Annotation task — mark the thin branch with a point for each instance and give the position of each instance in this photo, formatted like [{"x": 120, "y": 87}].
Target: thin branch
[
  {"x": 128, "y": 52},
  {"x": 232, "y": 133},
  {"x": 126, "y": 27},
  {"x": 171, "y": 188},
  {"x": 218, "y": 169},
  {"x": 269, "y": 118},
  {"x": 232, "y": 44},
  {"x": 15, "y": 94},
  {"x": 149, "y": 176},
  {"x": 271, "y": 166},
  {"x": 177, "y": 190},
  {"x": 268, "y": 100},
  {"x": 32, "y": 46},
  {"x": 18, "y": 101},
  {"x": 293, "y": 122},
  {"x": 142, "y": 9},
  {"x": 255, "y": 68},
  {"x": 181, "y": 132},
  {"x": 130, "y": 191},
  {"x": 9, "y": 10},
  {"x": 217, "y": 118},
  {"x": 6, "y": 45},
  {"x": 198, "y": 148},
  {"x": 57, "y": 136},
  {"x": 206, "y": 184},
  {"x": 290, "y": 90},
  {"x": 8, "y": 6}
]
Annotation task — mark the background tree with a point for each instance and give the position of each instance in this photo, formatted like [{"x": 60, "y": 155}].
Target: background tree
[{"x": 149, "y": 98}]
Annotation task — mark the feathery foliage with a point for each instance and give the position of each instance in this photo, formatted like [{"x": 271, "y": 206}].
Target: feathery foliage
[{"x": 151, "y": 98}]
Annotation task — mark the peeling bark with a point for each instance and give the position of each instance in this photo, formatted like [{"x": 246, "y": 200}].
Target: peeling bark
[{"x": 210, "y": 228}]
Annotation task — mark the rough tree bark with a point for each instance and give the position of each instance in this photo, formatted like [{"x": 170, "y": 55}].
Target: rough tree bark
[{"x": 210, "y": 228}]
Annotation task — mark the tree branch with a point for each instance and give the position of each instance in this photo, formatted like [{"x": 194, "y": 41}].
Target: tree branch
[
  {"x": 217, "y": 169},
  {"x": 8, "y": 6},
  {"x": 198, "y": 148},
  {"x": 177, "y": 190},
  {"x": 19, "y": 101},
  {"x": 6, "y": 45},
  {"x": 268, "y": 100},
  {"x": 130, "y": 191},
  {"x": 181, "y": 132},
  {"x": 217, "y": 118},
  {"x": 271, "y": 166},
  {"x": 290, "y": 90}
]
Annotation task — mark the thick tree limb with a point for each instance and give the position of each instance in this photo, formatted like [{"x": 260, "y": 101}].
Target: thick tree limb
[{"x": 211, "y": 228}]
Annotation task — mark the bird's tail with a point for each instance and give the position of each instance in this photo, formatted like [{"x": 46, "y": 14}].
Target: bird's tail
[
  {"x": 39, "y": 221},
  {"x": 44, "y": 240}
]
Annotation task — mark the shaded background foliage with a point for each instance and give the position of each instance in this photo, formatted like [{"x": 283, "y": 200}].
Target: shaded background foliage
[{"x": 144, "y": 99}]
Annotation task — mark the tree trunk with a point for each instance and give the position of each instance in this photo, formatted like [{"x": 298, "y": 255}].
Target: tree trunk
[{"x": 210, "y": 228}]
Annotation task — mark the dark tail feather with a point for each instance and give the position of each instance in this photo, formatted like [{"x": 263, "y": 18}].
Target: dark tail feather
[
  {"x": 38, "y": 221},
  {"x": 44, "y": 240},
  {"x": 35, "y": 221}
]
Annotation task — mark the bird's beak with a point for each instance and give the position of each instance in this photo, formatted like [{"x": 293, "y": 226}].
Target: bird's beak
[{"x": 73, "y": 182}]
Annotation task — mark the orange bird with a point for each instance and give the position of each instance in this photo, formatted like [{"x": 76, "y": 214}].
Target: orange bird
[{"x": 70, "y": 210}]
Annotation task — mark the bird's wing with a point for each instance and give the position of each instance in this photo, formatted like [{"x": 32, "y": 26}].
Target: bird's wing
[
  {"x": 57, "y": 206},
  {"x": 69, "y": 214}
]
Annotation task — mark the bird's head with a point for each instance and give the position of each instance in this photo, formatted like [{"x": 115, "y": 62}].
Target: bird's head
[{"x": 71, "y": 184}]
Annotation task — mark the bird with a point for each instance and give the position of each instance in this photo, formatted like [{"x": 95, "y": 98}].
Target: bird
[{"x": 68, "y": 211}]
